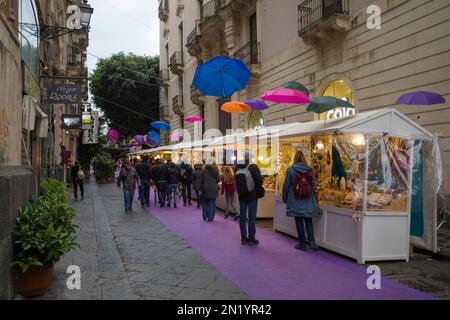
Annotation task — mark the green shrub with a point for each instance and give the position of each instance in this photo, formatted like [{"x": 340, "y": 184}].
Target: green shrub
[
  {"x": 104, "y": 166},
  {"x": 45, "y": 230},
  {"x": 54, "y": 187}
]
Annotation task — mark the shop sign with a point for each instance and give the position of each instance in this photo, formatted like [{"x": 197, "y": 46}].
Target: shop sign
[
  {"x": 63, "y": 93},
  {"x": 30, "y": 85},
  {"x": 70, "y": 121},
  {"x": 90, "y": 136},
  {"x": 339, "y": 113}
]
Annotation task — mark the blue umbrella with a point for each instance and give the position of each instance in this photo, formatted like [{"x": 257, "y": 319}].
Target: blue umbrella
[
  {"x": 153, "y": 139},
  {"x": 221, "y": 77},
  {"x": 160, "y": 125}
]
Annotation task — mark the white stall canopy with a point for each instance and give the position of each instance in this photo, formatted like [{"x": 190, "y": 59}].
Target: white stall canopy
[{"x": 389, "y": 122}]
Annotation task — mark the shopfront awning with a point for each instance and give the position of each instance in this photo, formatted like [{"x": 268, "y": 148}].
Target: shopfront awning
[{"x": 388, "y": 122}]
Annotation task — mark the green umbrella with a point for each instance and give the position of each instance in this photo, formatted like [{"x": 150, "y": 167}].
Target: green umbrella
[
  {"x": 296, "y": 86},
  {"x": 323, "y": 104}
]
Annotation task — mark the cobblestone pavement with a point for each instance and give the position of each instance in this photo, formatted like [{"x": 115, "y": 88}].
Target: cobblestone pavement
[
  {"x": 137, "y": 257},
  {"x": 133, "y": 257}
]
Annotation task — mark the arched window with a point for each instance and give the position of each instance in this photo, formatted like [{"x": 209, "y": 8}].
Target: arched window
[
  {"x": 341, "y": 90},
  {"x": 256, "y": 120}
]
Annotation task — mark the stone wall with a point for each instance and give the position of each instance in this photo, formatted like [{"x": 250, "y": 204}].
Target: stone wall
[
  {"x": 17, "y": 185},
  {"x": 10, "y": 95}
]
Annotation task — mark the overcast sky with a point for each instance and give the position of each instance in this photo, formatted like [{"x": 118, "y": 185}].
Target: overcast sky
[{"x": 123, "y": 25}]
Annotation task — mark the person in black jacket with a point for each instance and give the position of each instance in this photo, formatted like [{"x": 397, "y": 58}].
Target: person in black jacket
[
  {"x": 145, "y": 174},
  {"x": 186, "y": 172},
  {"x": 77, "y": 179},
  {"x": 160, "y": 176},
  {"x": 209, "y": 190},
  {"x": 248, "y": 200},
  {"x": 172, "y": 184}
]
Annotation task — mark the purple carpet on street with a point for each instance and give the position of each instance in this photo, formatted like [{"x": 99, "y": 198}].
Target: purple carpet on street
[{"x": 274, "y": 270}]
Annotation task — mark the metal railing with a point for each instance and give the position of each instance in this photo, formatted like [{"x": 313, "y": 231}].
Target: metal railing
[
  {"x": 313, "y": 12},
  {"x": 249, "y": 53},
  {"x": 212, "y": 7},
  {"x": 192, "y": 37},
  {"x": 176, "y": 58}
]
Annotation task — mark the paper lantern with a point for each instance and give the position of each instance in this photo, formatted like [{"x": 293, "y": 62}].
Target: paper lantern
[{"x": 113, "y": 135}]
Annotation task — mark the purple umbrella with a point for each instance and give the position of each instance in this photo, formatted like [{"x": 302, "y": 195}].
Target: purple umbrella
[
  {"x": 421, "y": 98},
  {"x": 257, "y": 104}
]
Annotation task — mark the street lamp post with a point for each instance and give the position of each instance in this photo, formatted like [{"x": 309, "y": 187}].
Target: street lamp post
[{"x": 51, "y": 32}]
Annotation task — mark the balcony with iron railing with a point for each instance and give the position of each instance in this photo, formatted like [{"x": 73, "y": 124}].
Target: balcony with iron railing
[
  {"x": 176, "y": 63},
  {"x": 164, "y": 77},
  {"x": 192, "y": 43},
  {"x": 212, "y": 8},
  {"x": 177, "y": 105},
  {"x": 250, "y": 54},
  {"x": 317, "y": 18}
]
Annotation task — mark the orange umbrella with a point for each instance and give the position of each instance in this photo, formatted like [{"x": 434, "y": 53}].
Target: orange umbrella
[{"x": 236, "y": 107}]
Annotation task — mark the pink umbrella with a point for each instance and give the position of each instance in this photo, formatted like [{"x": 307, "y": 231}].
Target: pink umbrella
[
  {"x": 284, "y": 95},
  {"x": 113, "y": 135},
  {"x": 194, "y": 119}
]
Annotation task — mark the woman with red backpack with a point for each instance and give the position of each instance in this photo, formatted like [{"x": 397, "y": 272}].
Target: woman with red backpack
[{"x": 300, "y": 196}]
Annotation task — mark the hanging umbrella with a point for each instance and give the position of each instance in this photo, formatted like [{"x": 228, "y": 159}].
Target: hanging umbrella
[
  {"x": 295, "y": 86},
  {"x": 139, "y": 140},
  {"x": 193, "y": 119},
  {"x": 421, "y": 98},
  {"x": 221, "y": 77},
  {"x": 256, "y": 104},
  {"x": 235, "y": 107},
  {"x": 323, "y": 104},
  {"x": 284, "y": 95},
  {"x": 113, "y": 135},
  {"x": 160, "y": 125},
  {"x": 153, "y": 139}
]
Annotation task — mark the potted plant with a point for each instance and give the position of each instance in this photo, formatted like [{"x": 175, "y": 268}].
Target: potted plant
[
  {"x": 44, "y": 231},
  {"x": 104, "y": 168}
]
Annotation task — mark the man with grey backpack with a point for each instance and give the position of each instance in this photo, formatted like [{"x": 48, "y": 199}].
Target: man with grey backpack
[{"x": 249, "y": 188}]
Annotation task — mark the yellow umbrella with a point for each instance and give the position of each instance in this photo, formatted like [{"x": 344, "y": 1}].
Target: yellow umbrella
[{"x": 235, "y": 107}]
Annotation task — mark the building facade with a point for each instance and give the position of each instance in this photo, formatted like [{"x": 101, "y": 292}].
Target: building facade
[
  {"x": 31, "y": 139},
  {"x": 333, "y": 47}
]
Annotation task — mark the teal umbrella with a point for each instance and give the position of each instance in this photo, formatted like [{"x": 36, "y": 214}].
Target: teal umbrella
[
  {"x": 323, "y": 104},
  {"x": 296, "y": 86}
]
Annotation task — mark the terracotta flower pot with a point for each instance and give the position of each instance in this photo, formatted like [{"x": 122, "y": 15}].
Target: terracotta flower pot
[{"x": 34, "y": 282}]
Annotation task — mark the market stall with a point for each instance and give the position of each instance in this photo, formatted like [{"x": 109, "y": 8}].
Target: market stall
[{"x": 370, "y": 171}]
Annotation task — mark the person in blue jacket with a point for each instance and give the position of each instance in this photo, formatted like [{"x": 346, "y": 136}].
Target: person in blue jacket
[{"x": 302, "y": 209}]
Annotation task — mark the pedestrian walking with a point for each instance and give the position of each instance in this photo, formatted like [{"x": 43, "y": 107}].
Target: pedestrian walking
[
  {"x": 300, "y": 196},
  {"x": 117, "y": 169},
  {"x": 229, "y": 189},
  {"x": 249, "y": 188},
  {"x": 197, "y": 182},
  {"x": 209, "y": 190},
  {"x": 129, "y": 178},
  {"x": 160, "y": 175},
  {"x": 77, "y": 175},
  {"x": 145, "y": 174},
  {"x": 172, "y": 184},
  {"x": 186, "y": 172}
]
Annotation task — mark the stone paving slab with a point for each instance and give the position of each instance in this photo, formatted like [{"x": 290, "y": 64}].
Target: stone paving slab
[{"x": 132, "y": 257}]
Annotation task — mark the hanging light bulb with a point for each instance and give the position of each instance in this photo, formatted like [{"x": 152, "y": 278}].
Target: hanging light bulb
[
  {"x": 359, "y": 140},
  {"x": 320, "y": 145}
]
